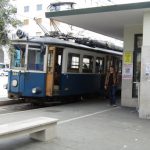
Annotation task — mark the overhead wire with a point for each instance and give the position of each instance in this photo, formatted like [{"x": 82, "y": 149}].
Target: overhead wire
[{"x": 52, "y": 23}]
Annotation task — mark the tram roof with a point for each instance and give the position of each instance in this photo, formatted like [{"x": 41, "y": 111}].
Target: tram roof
[
  {"x": 107, "y": 20},
  {"x": 63, "y": 43}
]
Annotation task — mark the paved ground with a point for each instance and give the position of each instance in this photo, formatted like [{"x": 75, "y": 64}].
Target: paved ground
[{"x": 86, "y": 125}]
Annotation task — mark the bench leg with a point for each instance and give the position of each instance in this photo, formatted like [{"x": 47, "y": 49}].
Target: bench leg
[{"x": 46, "y": 134}]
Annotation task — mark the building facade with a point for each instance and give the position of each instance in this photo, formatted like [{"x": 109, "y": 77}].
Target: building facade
[{"x": 28, "y": 10}]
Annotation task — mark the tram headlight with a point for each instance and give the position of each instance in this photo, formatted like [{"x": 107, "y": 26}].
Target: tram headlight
[
  {"x": 36, "y": 90},
  {"x": 14, "y": 83}
]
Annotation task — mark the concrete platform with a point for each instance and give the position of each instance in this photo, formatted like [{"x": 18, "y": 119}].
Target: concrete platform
[{"x": 86, "y": 125}]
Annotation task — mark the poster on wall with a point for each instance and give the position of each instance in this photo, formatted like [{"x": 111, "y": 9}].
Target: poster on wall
[
  {"x": 127, "y": 57},
  {"x": 147, "y": 69},
  {"x": 127, "y": 71}
]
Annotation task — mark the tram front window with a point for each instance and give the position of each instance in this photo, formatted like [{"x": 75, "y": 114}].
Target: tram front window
[
  {"x": 18, "y": 56},
  {"x": 35, "y": 60}
]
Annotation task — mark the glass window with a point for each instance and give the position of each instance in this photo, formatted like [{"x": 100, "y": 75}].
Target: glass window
[
  {"x": 139, "y": 41},
  {"x": 120, "y": 66},
  {"x": 26, "y": 8},
  {"x": 138, "y": 38},
  {"x": 39, "y": 7},
  {"x": 2, "y": 66},
  {"x": 35, "y": 60},
  {"x": 87, "y": 64},
  {"x": 136, "y": 72},
  {"x": 109, "y": 62},
  {"x": 26, "y": 22},
  {"x": 59, "y": 59},
  {"x": 39, "y": 20},
  {"x": 73, "y": 62},
  {"x": 14, "y": 36},
  {"x": 99, "y": 66},
  {"x": 18, "y": 56}
]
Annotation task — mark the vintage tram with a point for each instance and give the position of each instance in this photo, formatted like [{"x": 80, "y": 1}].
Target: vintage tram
[{"x": 44, "y": 67}]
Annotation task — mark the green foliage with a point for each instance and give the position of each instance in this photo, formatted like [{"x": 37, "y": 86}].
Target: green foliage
[{"x": 7, "y": 21}]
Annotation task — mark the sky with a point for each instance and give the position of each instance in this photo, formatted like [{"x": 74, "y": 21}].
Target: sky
[{"x": 94, "y": 3}]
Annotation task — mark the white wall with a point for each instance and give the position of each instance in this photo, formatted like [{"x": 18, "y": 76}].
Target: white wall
[
  {"x": 144, "y": 111},
  {"x": 126, "y": 96}
]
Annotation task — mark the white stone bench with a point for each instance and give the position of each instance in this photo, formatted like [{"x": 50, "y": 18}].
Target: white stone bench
[{"x": 41, "y": 128}]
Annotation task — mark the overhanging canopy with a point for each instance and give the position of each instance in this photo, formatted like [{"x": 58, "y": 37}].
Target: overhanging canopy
[{"x": 107, "y": 20}]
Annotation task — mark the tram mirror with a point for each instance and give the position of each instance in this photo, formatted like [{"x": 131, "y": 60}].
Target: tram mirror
[{"x": 43, "y": 49}]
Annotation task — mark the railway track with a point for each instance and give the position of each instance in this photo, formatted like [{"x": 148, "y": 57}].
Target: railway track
[
  {"x": 22, "y": 107},
  {"x": 16, "y": 105}
]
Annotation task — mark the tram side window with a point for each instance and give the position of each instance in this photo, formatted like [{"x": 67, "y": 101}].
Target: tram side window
[
  {"x": 120, "y": 66},
  {"x": 73, "y": 62},
  {"x": 109, "y": 62},
  {"x": 117, "y": 64},
  {"x": 35, "y": 60},
  {"x": 87, "y": 64},
  {"x": 99, "y": 66}
]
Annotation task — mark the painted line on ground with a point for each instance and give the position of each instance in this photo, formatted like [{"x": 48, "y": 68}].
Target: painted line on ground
[{"x": 88, "y": 115}]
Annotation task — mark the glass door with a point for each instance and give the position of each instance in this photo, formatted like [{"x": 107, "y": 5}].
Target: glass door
[{"x": 136, "y": 64}]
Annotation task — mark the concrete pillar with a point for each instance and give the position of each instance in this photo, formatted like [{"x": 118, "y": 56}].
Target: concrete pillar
[
  {"x": 126, "y": 95},
  {"x": 144, "y": 105}
]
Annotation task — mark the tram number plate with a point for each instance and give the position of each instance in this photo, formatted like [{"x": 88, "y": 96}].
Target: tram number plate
[{"x": 15, "y": 73}]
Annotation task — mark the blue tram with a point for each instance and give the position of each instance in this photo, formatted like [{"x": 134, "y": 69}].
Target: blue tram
[{"x": 48, "y": 67}]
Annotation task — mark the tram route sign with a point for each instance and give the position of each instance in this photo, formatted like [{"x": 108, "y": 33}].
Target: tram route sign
[{"x": 127, "y": 57}]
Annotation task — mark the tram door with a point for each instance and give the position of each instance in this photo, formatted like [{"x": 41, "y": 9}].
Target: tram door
[
  {"x": 50, "y": 71},
  {"x": 54, "y": 66}
]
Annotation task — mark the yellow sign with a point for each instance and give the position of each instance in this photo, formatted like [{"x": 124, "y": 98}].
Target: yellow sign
[{"x": 127, "y": 57}]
